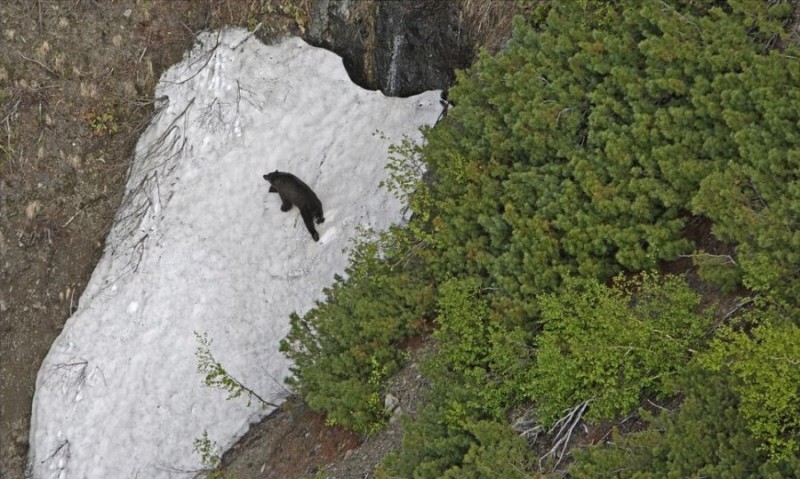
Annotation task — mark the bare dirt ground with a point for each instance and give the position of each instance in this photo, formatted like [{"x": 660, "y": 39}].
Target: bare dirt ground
[
  {"x": 294, "y": 442},
  {"x": 76, "y": 84}
]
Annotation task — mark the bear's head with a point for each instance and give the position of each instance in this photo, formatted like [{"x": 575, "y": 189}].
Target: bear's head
[{"x": 271, "y": 176}]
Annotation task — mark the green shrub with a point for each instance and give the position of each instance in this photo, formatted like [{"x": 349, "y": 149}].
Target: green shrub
[
  {"x": 614, "y": 346},
  {"x": 763, "y": 361},
  {"x": 346, "y": 347},
  {"x": 706, "y": 437},
  {"x": 443, "y": 441},
  {"x": 488, "y": 360},
  {"x": 575, "y": 154},
  {"x": 479, "y": 371},
  {"x": 437, "y": 439},
  {"x": 495, "y": 451},
  {"x": 581, "y": 148}
]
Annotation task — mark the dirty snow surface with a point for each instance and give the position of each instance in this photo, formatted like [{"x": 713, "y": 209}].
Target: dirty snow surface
[{"x": 199, "y": 246}]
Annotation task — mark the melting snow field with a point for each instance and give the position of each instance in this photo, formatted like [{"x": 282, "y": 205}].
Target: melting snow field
[{"x": 200, "y": 246}]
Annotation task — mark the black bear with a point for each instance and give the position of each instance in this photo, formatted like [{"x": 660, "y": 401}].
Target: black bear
[{"x": 293, "y": 191}]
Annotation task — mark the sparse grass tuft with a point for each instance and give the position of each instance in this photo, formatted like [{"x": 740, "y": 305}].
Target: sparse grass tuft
[{"x": 489, "y": 21}]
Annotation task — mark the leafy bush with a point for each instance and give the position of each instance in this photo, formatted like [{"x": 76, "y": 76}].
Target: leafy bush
[
  {"x": 706, "y": 437},
  {"x": 479, "y": 370},
  {"x": 613, "y": 346},
  {"x": 438, "y": 438},
  {"x": 488, "y": 360},
  {"x": 764, "y": 366},
  {"x": 496, "y": 451},
  {"x": 434, "y": 448}
]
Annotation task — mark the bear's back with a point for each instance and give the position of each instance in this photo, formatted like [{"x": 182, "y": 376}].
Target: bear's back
[{"x": 295, "y": 190}]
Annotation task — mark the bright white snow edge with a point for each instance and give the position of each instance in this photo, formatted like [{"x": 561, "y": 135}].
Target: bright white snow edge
[{"x": 199, "y": 245}]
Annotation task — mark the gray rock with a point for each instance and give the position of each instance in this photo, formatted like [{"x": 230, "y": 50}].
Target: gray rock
[
  {"x": 399, "y": 47},
  {"x": 390, "y": 403}
]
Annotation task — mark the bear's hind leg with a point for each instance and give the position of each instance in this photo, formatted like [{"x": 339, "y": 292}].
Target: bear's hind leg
[{"x": 308, "y": 219}]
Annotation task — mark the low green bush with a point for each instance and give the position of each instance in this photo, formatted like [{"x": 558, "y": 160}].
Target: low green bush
[
  {"x": 761, "y": 356},
  {"x": 478, "y": 372},
  {"x": 582, "y": 148},
  {"x": 614, "y": 346},
  {"x": 346, "y": 347},
  {"x": 577, "y": 153},
  {"x": 705, "y": 437}
]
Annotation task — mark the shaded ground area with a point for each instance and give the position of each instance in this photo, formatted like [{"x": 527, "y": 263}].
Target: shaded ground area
[
  {"x": 299, "y": 444},
  {"x": 76, "y": 86},
  {"x": 295, "y": 431}
]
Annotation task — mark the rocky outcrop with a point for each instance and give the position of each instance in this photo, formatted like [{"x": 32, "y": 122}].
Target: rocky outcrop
[{"x": 400, "y": 47}]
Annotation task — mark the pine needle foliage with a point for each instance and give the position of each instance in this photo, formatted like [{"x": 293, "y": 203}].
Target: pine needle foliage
[
  {"x": 583, "y": 147},
  {"x": 346, "y": 347}
]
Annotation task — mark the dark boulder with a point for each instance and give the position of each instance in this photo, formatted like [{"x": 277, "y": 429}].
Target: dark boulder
[{"x": 399, "y": 47}]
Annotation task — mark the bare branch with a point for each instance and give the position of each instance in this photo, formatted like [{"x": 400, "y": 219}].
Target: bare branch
[
  {"x": 83, "y": 207},
  {"x": 217, "y": 377},
  {"x": 729, "y": 259},
  {"x": 247, "y": 37},
  {"x": 566, "y": 425},
  {"x": 527, "y": 426},
  {"x": 38, "y": 63},
  {"x": 209, "y": 55}
]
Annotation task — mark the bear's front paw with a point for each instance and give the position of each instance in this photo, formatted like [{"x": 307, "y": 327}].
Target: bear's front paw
[
  {"x": 315, "y": 235},
  {"x": 320, "y": 220},
  {"x": 286, "y": 207}
]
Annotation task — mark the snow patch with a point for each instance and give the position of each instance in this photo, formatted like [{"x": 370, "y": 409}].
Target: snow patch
[{"x": 199, "y": 245}]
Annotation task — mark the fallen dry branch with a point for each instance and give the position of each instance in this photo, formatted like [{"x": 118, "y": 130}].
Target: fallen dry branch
[
  {"x": 49, "y": 70},
  {"x": 566, "y": 425}
]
